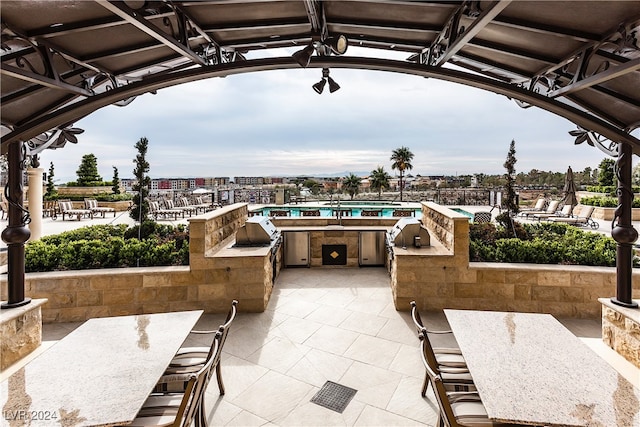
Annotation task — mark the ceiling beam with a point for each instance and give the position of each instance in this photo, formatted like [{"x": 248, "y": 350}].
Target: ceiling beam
[
  {"x": 72, "y": 112},
  {"x": 596, "y": 79},
  {"x": 31, "y": 77},
  {"x": 522, "y": 24},
  {"x": 137, "y": 20},
  {"x": 455, "y": 41}
]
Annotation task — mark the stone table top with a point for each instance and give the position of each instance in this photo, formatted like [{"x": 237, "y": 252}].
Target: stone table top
[
  {"x": 529, "y": 369},
  {"x": 100, "y": 374}
]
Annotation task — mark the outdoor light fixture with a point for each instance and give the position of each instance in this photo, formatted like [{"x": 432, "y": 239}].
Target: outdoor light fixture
[
  {"x": 303, "y": 57},
  {"x": 330, "y": 45},
  {"x": 338, "y": 45},
  {"x": 319, "y": 87}
]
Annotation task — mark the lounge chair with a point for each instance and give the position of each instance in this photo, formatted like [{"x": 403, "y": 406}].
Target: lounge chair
[
  {"x": 92, "y": 205},
  {"x": 551, "y": 209},
  {"x": 156, "y": 212},
  {"x": 189, "y": 209},
  {"x": 539, "y": 206},
  {"x": 565, "y": 212},
  {"x": 582, "y": 219},
  {"x": 67, "y": 210},
  {"x": 371, "y": 212},
  {"x": 310, "y": 212}
]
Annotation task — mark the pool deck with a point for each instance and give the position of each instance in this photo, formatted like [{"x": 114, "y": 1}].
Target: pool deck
[{"x": 330, "y": 324}]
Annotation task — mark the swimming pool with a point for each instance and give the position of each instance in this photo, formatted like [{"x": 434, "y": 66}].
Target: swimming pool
[
  {"x": 331, "y": 211},
  {"x": 463, "y": 212}
]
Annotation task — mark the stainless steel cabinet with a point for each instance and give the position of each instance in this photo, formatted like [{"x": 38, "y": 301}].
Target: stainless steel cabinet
[
  {"x": 296, "y": 249},
  {"x": 371, "y": 248}
]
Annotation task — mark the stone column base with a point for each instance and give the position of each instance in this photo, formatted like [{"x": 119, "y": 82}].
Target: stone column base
[
  {"x": 21, "y": 331},
  {"x": 621, "y": 330}
]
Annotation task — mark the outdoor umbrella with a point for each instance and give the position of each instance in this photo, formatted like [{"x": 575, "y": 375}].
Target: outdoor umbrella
[{"x": 569, "y": 189}]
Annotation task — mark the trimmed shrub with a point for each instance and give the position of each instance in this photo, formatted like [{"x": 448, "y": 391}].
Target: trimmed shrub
[
  {"x": 542, "y": 243},
  {"x": 107, "y": 246}
]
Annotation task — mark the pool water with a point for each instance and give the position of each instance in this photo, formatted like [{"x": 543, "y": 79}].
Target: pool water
[
  {"x": 463, "y": 212},
  {"x": 329, "y": 211}
]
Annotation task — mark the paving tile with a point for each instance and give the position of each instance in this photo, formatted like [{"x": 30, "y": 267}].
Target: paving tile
[
  {"x": 238, "y": 376},
  {"x": 408, "y": 361},
  {"x": 373, "y": 351},
  {"x": 273, "y": 396},
  {"x": 363, "y": 323},
  {"x": 372, "y": 416},
  {"x": 311, "y": 414},
  {"x": 408, "y": 402},
  {"x": 331, "y": 339},
  {"x": 298, "y": 330},
  {"x": 375, "y": 385},
  {"x": 318, "y": 367},
  {"x": 329, "y": 315},
  {"x": 278, "y": 354}
]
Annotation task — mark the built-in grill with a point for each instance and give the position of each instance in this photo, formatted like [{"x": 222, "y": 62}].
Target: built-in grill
[
  {"x": 257, "y": 231},
  {"x": 408, "y": 232}
]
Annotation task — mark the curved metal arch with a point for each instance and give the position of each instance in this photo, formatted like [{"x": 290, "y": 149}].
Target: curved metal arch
[{"x": 73, "y": 112}]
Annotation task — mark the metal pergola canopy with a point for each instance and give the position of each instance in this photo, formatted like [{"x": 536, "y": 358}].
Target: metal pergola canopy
[
  {"x": 62, "y": 60},
  {"x": 574, "y": 58}
]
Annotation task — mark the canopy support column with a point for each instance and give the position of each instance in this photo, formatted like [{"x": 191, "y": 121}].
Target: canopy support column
[
  {"x": 623, "y": 232},
  {"x": 16, "y": 233}
]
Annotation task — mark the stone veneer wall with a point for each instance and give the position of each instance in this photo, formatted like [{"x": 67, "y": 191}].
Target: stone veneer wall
[
  {"x": 216, "y": 276},
  {"x": 210, "y": 283},
  {"x": 449, "y": 281},
  {"x": 21, "y": 332},
  {"x": 621, "y": 330}
]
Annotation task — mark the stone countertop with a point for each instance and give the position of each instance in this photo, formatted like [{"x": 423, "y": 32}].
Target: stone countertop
[
  {"x": 530, "y": 369},
  {"x": 436, "y": 248},
  {"x": 335, "y": 228},
  {"x": 100, "y": 374}
]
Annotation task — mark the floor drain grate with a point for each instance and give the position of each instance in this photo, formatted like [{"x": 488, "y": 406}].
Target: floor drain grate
[{"x": 334, "y": 396}]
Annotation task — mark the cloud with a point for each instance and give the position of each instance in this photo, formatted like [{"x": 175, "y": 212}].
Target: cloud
[{"x": 273, "y": 123}]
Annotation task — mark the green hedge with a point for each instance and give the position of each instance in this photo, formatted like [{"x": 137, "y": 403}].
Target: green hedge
[
  {"x": 108, "y": 246},
  {"x": 542, "y": 243},
  {"x": 606, "y": 202}
]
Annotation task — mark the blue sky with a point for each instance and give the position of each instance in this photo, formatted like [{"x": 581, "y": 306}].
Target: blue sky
[{"x": 273, "y": 124}]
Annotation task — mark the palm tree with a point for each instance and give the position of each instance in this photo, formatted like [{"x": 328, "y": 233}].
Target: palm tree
[
  {"x": 351, "y": 184},
  {"x": 402, "y": 161},
  {"x": 379, "y": 180}
]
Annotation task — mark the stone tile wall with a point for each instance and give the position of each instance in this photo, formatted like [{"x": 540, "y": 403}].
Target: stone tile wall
[
  {"x": 21, "y": 332},
  {"x": 621, "y": 330}
]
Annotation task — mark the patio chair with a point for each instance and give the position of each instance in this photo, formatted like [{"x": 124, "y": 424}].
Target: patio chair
[
  {"x": 4, "y": 209},
  {"x": 457, "y": 409},
  {"x": 179, "y": 409},
  {"x": 189, "y": 359},
  {"x": 564, "y": 213},
  {"x": 50, "y": 209},
  {"x": 449, "y": 360},
  {"x": 92, "y": 205},
  {"x": 482, "y": 217},
  {"x": 156, "y": 212},
  {"x": 67, "y": 210},
  {"x": 551, "y": 209},
  {"x": 582, "y": 219}
]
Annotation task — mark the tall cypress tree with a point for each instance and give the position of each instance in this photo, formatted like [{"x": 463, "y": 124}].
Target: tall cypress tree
[
  {"x": 51, "y": 192},
  {"x": 115, "y": 182},
  {"x": 510, "y": 165},
  {"x": 140, "y": 207}
]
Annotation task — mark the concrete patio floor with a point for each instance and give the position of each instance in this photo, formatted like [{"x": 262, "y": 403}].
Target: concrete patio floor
[{"x": 332, "y": 324}]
